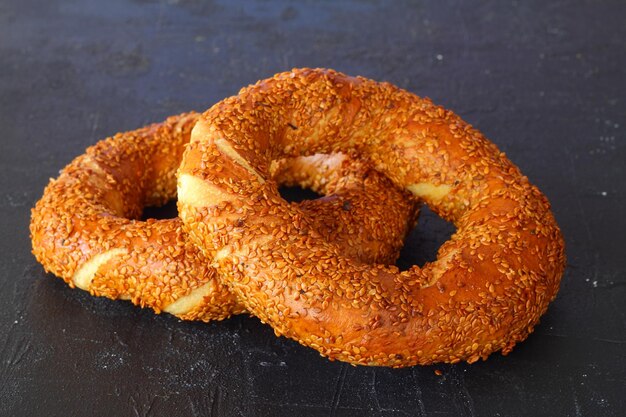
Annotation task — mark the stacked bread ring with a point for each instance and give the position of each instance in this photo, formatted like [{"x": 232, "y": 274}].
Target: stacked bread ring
[
  {"x": 84, "y": 228},
  {"x": 319, "y": 271}
]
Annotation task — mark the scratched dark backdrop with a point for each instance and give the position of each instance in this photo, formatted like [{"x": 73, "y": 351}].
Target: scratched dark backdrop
[{"x": 544, "y": 80}]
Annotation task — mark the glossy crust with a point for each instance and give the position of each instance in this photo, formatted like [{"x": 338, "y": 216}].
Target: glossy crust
[
  {"x": 82, "y": 228},
  {"x": 486, "y": 291}
]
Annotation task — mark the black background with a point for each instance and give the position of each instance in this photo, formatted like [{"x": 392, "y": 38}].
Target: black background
[{"x": 544, "y": 80}]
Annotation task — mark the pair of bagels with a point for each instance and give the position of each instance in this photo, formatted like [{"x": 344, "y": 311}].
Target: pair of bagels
[{"x": 485, "y": 292}]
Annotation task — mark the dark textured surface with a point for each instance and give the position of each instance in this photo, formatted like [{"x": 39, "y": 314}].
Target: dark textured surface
[{"x": 544, "y": 80}]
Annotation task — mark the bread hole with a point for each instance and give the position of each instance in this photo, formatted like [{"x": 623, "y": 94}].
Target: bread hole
[
  {"x": 424, "y": 240},
  {"x": 297, "y": 194},
  {"x": 166, "y": 211}
]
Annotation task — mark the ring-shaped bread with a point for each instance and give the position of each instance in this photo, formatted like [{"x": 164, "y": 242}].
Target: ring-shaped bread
[
  {"x": 485, "y": 292},
  {"x": 85, "y": 228}
]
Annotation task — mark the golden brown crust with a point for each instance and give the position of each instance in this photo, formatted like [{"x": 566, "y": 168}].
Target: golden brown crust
[
  {"x": 491, "y": 282},
  {"x": 84, "y": 229}
]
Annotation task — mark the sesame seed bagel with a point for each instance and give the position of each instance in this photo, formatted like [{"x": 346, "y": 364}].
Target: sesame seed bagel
[
  {"x": 85, "y": 228},
  {"x": 492, "y": 279}
]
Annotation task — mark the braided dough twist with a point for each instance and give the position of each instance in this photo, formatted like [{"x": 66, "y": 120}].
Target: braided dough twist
[{"x": 485, "y": 292}]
